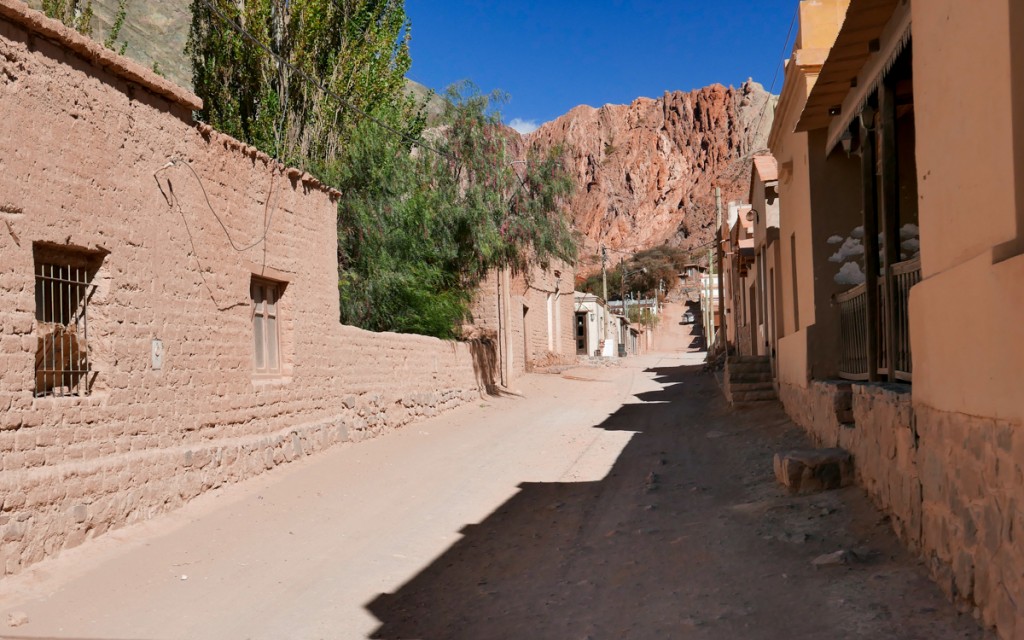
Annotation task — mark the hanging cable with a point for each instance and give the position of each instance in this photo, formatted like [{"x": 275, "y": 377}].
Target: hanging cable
[
  {"x": 267, "y": 218},
  {"x": 778, "y": 66}
]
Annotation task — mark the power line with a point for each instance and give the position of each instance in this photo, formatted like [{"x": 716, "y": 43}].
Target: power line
[{"x": 778, "y": 67}]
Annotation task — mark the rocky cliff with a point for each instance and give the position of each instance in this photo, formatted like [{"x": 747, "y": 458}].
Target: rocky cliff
[{"x": 646, "y": 171}]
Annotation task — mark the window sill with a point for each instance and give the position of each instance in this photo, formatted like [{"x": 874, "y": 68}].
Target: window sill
[
  {"x": 270, "y": 380},
  {"x": 94, "y": 398}
]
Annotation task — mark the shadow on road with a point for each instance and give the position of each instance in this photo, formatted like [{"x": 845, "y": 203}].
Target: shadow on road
[
  {"x": 686, "y": 536},
  {"x": 536, "y": 567}
]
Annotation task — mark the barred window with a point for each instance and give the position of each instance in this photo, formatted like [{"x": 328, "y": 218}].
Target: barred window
[
  {"x": 64, "y": 287},
  {"x": 266, "y": 296}
]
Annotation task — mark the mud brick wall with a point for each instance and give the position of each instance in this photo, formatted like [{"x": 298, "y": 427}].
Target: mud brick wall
[
  {"x": 547, "y": 342},
  {"x": 84, "y": 150},
  {"x": 499, "y": 313}
]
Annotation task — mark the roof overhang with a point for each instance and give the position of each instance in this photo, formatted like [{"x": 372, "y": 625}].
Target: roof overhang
[{"x": 873, "y": 34}]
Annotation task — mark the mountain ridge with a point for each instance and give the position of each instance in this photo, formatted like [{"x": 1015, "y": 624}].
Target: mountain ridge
[{"x": 645, "y": 170}]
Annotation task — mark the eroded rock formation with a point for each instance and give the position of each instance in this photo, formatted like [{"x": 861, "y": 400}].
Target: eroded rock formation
[{"x": 646, "y": 171}]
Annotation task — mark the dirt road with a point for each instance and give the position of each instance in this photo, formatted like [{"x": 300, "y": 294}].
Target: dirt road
[{"x": 615, "y": 502}]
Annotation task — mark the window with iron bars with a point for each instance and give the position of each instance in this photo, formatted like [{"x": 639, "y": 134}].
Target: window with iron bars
[{"x": 63, "y": 288}]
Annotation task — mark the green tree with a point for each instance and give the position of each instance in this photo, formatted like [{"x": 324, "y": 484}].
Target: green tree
[
  {"x": 419, "y": 222},
  {"x": 419, "y": 229},
  {"x": 75, "y": 13},
  {"x": 356, "y": 49}
]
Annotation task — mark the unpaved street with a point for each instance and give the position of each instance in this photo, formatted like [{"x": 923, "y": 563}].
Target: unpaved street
[{"x": 609, "y": 502}]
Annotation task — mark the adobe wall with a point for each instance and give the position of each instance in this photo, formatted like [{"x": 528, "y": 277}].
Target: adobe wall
[
  {"x": 83, "y": 153},
  {"x": 968, "y": 376},
  {"x": 546, "y": 342},
  {"x": 523, "y": 340}
]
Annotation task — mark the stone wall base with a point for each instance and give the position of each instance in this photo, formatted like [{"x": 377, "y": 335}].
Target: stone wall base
[
  {"x": 49, "y": 508},
  {"x": 952, "y": 484}
]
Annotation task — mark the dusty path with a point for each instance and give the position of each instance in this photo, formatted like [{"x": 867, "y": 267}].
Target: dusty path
[{"x": 620, "y": 502}]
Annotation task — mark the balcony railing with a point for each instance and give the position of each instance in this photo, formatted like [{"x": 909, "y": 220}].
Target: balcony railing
[{"x": 853, "y": 332}]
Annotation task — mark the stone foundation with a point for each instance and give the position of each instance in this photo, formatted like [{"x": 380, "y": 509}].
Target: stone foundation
[
  {"x": 972, "y": 514},
  {"x": 952, "y": 484}
]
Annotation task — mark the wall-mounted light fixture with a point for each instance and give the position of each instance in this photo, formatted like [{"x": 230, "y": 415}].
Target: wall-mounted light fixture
[
  {"x": 867, "y": 117},
  {"x": 753, "y": 215},
  {"x": 847, "y": 141}
]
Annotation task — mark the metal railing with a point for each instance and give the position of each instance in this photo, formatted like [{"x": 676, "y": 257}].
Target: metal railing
[
  {"x": 853, "y": 328},
  {"x": 853, "y": 333},
  {"x": 62, "y": 348},
  {"x": 904, "y": 276}
]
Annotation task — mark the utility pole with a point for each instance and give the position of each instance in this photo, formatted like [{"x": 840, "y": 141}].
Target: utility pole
[
  {"x": 723, "y": 331},
  {"x": 604, "y": 274},
  {"x": 709, "y": 311},
  {"x": 622, "y": 285},
  {"x": 604, "y": 293}
]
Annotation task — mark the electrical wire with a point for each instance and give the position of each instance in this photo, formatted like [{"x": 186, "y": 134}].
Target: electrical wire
[
  {"x": 632, "y": 250},
  {"x": 778, "y": 67},
  {"x": 267, "y": 219}
]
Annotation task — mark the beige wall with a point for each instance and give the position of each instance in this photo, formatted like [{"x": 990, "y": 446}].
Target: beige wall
[
  {"x": 766, "y": 232},
  {"x": 527, "y": 340},
  {"x": 968, "y": 376},
  {"x": 963, "y": 111},
  {"x": 795, "y": 304},
  {"x": 836, "y": 201},
  {"x": 808, "y": 180},
  {"x": 819, "y": 22},
  {"x": 968, "y": 213},
  {"x": 147, "y": 440},
  {"x": 946, "y": 454}
]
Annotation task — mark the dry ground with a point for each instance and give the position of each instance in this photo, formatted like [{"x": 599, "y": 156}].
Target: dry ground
[{"x": 621, "y": 502}]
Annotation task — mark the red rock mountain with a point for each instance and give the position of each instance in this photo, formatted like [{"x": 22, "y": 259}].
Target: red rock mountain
[{"x": 646, "y": 171}]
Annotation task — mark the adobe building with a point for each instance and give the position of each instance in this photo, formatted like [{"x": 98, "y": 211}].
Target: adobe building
[
  {"x": 764, "y": 203},
  {"x": 170, "y": 318},
  {"x": 900, "y": 147}
]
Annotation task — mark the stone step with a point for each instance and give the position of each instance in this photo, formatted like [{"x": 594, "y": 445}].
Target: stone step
[
  {"x": 749, "y": 377},
  {"x": 749, "y": 359},
  {"x": 749, "y": 367},
  {"x": 753, "y": 396},
  {"x": 751, "y": 386},
  {"x": 812, "y": 470}
]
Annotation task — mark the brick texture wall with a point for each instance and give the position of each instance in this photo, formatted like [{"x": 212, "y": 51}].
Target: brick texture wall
[{"x": 83, "y": 163}]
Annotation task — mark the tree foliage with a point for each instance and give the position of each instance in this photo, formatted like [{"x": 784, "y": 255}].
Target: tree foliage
[
  {"x": 647, "y": 269},
  {"x": 357, "y": 49},
  {"x": 419, "y": 223},
  {"x": 418, "y": 231},
  {"x": 79, "y": 15},
  {"x": 74, "y": 13}
]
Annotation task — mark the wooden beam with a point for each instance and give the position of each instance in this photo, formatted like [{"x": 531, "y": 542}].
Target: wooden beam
[
  {"x": 890, "y": 216},
  {"x": 870, "y": 212}
]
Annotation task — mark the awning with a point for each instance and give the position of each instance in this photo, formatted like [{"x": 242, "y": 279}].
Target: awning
[
  {"x": 766, "y": 167},
  {"x": 874, "y": 33}
]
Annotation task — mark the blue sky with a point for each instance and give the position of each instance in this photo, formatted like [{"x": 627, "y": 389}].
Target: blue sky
[{"x": 552, "y": 56}]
